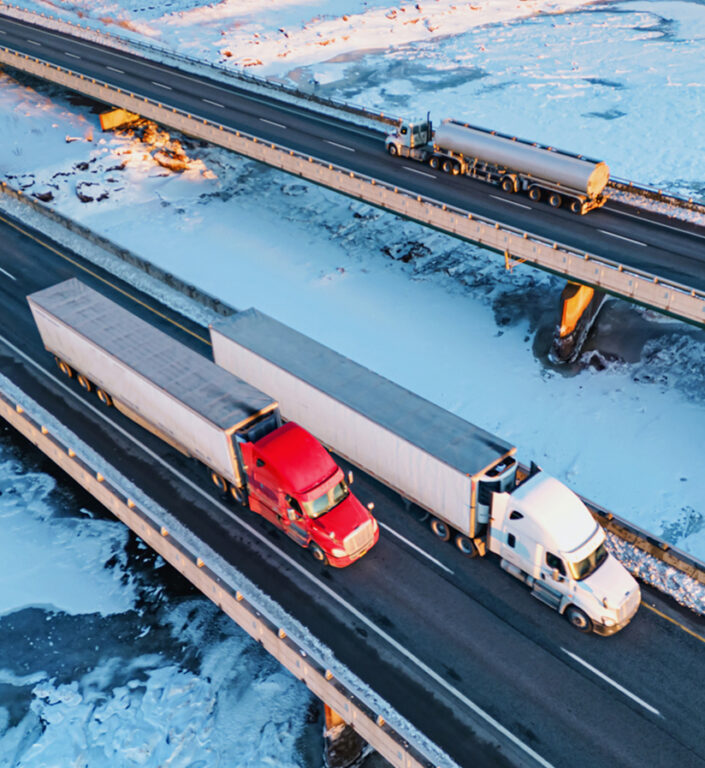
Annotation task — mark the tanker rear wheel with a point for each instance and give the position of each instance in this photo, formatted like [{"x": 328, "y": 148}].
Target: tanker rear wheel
[
  {"x": 555, "y": 200},
  {"x": 507, "y": 185},
  {"x": 535, "y": 194},
  {"x": 450, "y": 167},
  {"x": 576, "y": 206}
]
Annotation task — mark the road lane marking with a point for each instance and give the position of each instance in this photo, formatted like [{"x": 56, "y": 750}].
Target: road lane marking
[
  {"x": 413, "y": 546},
  {"x": 34, "y": 42},
  {"x": 271, "y": 122},
  {"x": 612, "y": 682},
  {"x": 511, "y": 202},
  {"x": 264, "y": 540},
  {"x": 622, "y": 237},
  {"x": 673, "y": 621},
  {"x": 72, "y": 55},
  {"x": 341, "y": 146},
  {"x": 657, "y": 223},
  {"x": 114, "y": 69},
  {"x": 214, "y": 103},
  {"x": 5, "y": 272},
  {"x": 421, "y": 173},
  {"x": 161, "y": 85},
  {"x": 103, "y": 280}
]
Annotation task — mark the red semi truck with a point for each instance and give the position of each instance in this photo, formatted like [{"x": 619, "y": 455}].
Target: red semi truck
[{"x": 279, "y": 470}]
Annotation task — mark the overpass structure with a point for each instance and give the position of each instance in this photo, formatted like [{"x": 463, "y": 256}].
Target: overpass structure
[
  {"x": 436, "y": 660},
  {"x": 642, "y": 256}
]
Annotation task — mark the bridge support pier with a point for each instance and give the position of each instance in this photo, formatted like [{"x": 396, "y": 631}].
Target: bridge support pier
[
  {"x": 344, "y": 748},
  {"x": 579, "y": 310}
]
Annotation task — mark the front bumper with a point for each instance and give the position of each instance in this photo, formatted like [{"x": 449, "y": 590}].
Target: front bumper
[{"x": 342, "y": 562}]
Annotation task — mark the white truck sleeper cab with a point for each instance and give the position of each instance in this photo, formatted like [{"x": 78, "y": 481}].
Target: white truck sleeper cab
[{"x": 546, "y": 537}]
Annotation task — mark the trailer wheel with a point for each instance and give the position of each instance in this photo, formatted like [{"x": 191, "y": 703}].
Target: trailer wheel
[
  {"x": 441, "y": 529},
  {"x": 555, "y": 200},
  {"x": 507, "y": 184},
  {"x": 104, "y": 397},
  {"x": 576, "y": 206},
  {"x": 238, "y": 495},
  {"x": 392, "y": 149},
  {"x": 219, "y": 482},
  {"x": 465, "y": 545},
  {"x": 64, "y": 367},
  {"x": 535, "y": 194},
  {"x": 83, "y": 382},
  {"x": 317, "y": 553},
  {"x": 434, "y": 162},
  {"x": 578, "y": 618}
]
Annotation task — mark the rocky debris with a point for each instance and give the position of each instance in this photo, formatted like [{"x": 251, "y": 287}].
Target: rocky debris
[
  {"x": 408, "y": 251},
  {"x": 83, "y": 195},
  {"x": 171, "y": 160},
  {"x": 45, "y": 197}
]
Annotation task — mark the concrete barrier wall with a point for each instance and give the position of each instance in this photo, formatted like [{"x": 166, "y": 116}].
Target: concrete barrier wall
[
  {"x": 641, "y": 287},
  {"x": 370, "y": 725}
]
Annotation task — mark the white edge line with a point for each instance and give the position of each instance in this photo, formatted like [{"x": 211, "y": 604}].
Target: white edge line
[
  {"x": 511, "y": 202},
  {"x": 72, "y": 55},
  {"x": 612, "y": 682},
  {"x": 413, "y": 546},
  {"x": 655, "y": 223},
  {"x": 162, "y": 85},
  {"x": 422, "y": 173},
  {"x": 114, "y": 69},
  {"x": 5, "y": 272},
  {"x": 401, "y": 649},
  {"x": 622, "y": 237}
]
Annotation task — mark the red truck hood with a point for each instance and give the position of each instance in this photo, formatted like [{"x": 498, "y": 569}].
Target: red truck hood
[{"x": 343, "y": 519}]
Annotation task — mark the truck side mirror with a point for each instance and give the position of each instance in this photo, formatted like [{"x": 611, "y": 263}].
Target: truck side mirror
[
  {"x": 555, "y": 574},
  {"x": 291, "y": 514},
  {"x": 350, "y": 477}
]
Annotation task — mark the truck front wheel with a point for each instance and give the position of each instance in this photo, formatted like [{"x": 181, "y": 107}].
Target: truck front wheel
[
  {"x": 578, "y": 618},
  {"x": 317, "y": 553},
  {"x": 392, "y": 149}
]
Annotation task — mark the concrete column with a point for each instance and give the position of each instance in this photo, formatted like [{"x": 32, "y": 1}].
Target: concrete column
[
  {"x": 580, "y": 306},
  {"x": 344, "y": 748}
]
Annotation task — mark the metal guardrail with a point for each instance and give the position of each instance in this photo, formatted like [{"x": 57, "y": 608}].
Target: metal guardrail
[
  {"x": 628, "y": 282},
  {"x": 238, "y": 75},
  {"x": 656, "y": 194}
]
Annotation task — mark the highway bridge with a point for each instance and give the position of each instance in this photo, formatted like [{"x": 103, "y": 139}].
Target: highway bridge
[
  {"x": 459, "y": 648},
  {"x": 631, "y": 252}
]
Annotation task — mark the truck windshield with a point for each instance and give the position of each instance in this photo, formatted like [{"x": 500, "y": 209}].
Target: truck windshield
[
  {"x": 584, "y": 568},
  {"x": 326, "y": 501}
]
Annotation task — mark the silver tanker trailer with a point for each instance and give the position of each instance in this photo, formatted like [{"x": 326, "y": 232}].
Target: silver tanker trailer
[{"x": 512, "y": 164}]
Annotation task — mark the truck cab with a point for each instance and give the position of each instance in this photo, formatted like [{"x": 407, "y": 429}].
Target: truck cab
[
  {"x": 408, "y": 136},
  {"x": 294, "y": 483},
  {"x": 546, "y": 537}
]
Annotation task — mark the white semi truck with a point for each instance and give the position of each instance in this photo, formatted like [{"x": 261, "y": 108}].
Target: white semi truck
[
  {"x": 513, "y": 164},
  {"x": 464, "y": 477}
]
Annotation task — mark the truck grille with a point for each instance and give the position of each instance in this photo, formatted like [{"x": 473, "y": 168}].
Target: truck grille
[
  {"x": 361, "y": 538},
  {"x": 629, "y": 606}
]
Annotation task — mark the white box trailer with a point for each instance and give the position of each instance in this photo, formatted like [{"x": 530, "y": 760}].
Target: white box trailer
[
  {"x": 177, "y": 394},
  {"x": 428, "y": 455}
]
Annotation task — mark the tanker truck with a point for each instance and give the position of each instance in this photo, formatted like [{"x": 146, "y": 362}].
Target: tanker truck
[
  {"x": 512, "y": 164},
  {"x": 462, "y": 478},
  {"x": 279, "y": 470}
]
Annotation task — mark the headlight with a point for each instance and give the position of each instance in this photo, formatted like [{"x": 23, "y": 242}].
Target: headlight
[
  {"x": 338, "y": 552},
  {"x": 609, "y": 622}
]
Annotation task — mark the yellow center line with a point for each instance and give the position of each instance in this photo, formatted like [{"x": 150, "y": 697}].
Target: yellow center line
[
  {"x": 673, "y": 621},
  {"x": 103, "y": 280}
]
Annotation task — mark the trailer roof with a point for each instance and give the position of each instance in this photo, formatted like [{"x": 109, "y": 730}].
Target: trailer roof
[
  {"x": 440, "y": 433},
  {"x": 209, "y": 390}
]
